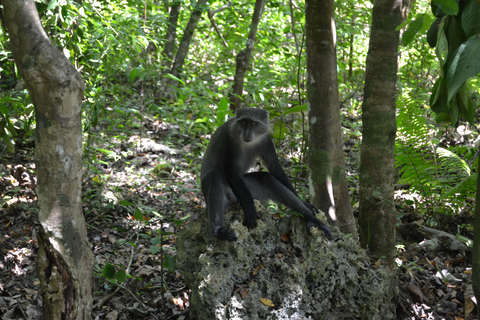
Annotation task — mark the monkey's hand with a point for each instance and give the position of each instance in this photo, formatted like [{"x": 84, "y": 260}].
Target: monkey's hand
[
  {"x": 250, "y": 220},
  {"x": 314, "y": 222},
  {"x": 225, "y": 233}
]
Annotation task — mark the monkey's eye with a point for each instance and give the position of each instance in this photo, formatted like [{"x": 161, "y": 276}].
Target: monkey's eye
[{"x": 252, "y": 123}]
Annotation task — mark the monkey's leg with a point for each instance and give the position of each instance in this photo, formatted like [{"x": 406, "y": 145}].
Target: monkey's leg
[
  {"x": 264, "y": 186},
  {"x": 244, "y": 196},
  {"x": 214, "y": 192}
]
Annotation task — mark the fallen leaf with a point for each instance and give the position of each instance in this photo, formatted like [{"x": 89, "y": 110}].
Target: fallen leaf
[
  {"x": 257, "y": 269},
  {"x": 469, "y": 300},
  {"x": 266, "y": 302},
  {"x": 285, "y": 237},
  {"x": 243, "y": 293},
  {"x": 415, "y": 293}
]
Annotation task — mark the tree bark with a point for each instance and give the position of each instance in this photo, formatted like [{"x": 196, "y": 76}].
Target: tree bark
[
  {"x": 187, "y": 37},
  {"x": 183, "y": 47},
  {"x": 167, "y": 56},
  {"x": 377, "y": 209},
  {"x": 328, "y": 183},
  {"x": 244, "y": 56},
  {"x": 476, "y": 245},
  {"x": 171, "y": 33},
  {"x": 64, "y": 259}
]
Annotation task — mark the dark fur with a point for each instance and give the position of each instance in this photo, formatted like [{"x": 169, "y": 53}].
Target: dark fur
[{"x": 225, "y": 176}]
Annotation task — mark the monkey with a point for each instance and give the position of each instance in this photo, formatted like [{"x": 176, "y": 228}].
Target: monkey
[{"x": 225, "y": 176}]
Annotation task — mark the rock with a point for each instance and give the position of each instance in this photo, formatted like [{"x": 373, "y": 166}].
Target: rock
[{"x": 260, "y": 276}]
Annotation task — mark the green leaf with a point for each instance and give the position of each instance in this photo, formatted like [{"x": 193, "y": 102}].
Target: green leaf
[
  {"x": 464, "y": 64},
  {"x": 447, "y": 6},
  {"x": 465, "y": 104},
  {"x": 413, "y": 28},
  {"x": 299, "y": 108},
  {"x": 125, "y": 203},
  {"x": 134, "y": 74},
  {"x": 53, "y": 4},
  {"x": 154, "y": 249},
  {"x": 223, "y": 111},
  {"x": 471, "y": 18},
  {"x": 441, "y": 48},
  {"x": 171, "y": 76},
  {"x": 121, "y": 275},
  {"x": 427, "y": 21},
  {"x": 202, "y": 120},
  {"x": 139, "y": 215},
  {"x": 108, "y": 271},
  {"x": 438, "y": 99},
  {"x": 432, "y": 33},
  {"x": 453, "y": 112},
  {"x": 169, "y": 262},
  {"x": 155, "y": 240}
]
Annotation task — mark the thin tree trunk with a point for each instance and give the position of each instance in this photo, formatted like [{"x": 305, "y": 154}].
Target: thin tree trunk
[
  {"x": 171, "y": 33},
  {"x": 244, "y": 56},
  {"x": 377, "y": 209},
  {"x": 187, "y": 37},
  {"x": 328, "y": 182},
  {"x": 183, "y": 47},
  {"x": 168, "y": 49},
  {"x": 292, "y": 18},
  {"x": 64, "y": 259},
  {"x": 476, "y": 245}
]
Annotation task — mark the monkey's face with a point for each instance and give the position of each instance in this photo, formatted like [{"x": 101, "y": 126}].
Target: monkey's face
[{"x": 249, "y": 130}]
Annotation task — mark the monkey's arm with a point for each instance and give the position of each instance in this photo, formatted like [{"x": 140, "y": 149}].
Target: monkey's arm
[{"x": 270, "y": 158}]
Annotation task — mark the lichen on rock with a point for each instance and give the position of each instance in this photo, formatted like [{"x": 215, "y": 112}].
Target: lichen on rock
[{"x": 301, "y": 276}]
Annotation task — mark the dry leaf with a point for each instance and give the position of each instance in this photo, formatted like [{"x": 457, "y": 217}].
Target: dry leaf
[
  {"x": 257, "y": 269},
  {"x": 415, "y": 293},
  {"x": 243, "y": 293},
  {"x": 285, "y": 237},
  {"x": 469, "y": 300},
  {"x": 266, "y": 302}
]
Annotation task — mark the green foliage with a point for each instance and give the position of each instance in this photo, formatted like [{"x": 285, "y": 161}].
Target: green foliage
[
  {"x": 113, "y": 273},
  {"x": 16, "y": 119},
  {"x": 440, "y": 176},
  {"x": 458, "y": 51}
]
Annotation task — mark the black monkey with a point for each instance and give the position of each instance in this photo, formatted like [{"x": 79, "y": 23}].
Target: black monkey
[{"x": 225, "y": 176}]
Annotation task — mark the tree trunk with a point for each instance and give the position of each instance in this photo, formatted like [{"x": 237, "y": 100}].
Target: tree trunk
[
  {"x": 328, "y": 182},
  {"x": 185, "y": 44},
  {"x": 171, "y": 33},
  {"x": 476, "y": 245},
  {"x": 377, "y": 209},
  {"x": 168, "y": 49},
  {"x": 244, "y": 56},
  {"x": 64, "y": 259}
]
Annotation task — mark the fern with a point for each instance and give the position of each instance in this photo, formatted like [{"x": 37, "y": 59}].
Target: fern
[{"x": 438, "y": 175}]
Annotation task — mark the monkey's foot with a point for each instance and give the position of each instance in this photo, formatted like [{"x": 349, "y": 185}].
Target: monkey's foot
[
  {"x": 314, "y": 222},
  {"x": 225, "y": 233},
  {"x": 250, "y": 220},
  {"x": 311, "y": 207}
]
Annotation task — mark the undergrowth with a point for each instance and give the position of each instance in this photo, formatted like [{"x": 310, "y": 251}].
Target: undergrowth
[{"x": 440, "y": 178}]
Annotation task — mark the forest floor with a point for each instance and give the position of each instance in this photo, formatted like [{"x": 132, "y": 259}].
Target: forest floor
[{"x": 135, "y": 200}]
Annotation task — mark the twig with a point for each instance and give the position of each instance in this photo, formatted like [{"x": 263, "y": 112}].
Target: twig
[{"x": 211, "y": 13}]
